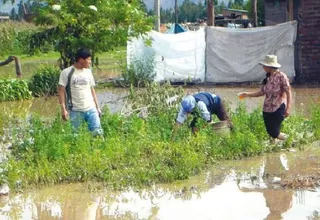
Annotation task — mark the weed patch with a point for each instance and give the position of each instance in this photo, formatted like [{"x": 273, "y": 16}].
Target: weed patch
[{"x": 138, "y": 150}]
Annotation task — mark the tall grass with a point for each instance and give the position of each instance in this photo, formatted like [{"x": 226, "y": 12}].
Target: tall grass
[{"x": 15, "y": 37}]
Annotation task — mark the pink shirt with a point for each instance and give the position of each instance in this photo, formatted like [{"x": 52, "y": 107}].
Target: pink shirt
[{"x": 275, "y": 91}]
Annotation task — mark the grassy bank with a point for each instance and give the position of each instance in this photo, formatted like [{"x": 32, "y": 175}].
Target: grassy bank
[
  {"x": 108, "y": 62},
  {"x": 140, "y": 151}
]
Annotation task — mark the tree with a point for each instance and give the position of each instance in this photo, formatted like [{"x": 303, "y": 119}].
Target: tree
[
  {"x": 238, "y": 2},
  {"x": 5, "y": 1},
  {"x": 97, "y": 25},
  {"x": 218, "y": 9},
  {"x": 166, "y": 15},
  {"x": 187, "y": 11},
  {"x": 260, "y": 11},
  {"x": 14, "y": 15},
  {"x": 21, "y": 10}
]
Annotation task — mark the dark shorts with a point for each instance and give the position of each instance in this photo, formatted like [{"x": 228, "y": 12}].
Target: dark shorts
[
  {"x": 273, "y": 120},
  {"x": 222, "y": 112}
]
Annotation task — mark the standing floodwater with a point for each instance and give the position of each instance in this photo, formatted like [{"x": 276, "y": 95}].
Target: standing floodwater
[
  {"x": 243, "y": 189},
  {"x": 273, "y": 186}
]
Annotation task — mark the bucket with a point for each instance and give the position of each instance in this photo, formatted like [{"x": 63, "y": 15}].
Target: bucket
[{"x": 221, "y": 127}]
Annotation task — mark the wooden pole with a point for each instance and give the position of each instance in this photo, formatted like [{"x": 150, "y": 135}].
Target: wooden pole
[
  {"x": 157, "y": 14},
  {"x": 210, "y": 12},
  {"x": 254, "y": 13},
  {"x": 290, "y": 10}
]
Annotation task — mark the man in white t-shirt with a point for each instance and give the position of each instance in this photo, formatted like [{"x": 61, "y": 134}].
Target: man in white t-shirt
[{"x": 76, "y": 88}]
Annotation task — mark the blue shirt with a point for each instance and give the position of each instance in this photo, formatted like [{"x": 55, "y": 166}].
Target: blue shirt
[{"x": 207, "y": 103}]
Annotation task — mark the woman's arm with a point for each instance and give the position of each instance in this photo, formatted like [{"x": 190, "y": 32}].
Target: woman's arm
[
  {"x": 251, "y": 94},
  {"x": 288, "y": 107}
]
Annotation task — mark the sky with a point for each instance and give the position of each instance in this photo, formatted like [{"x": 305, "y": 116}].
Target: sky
[
  {"x": 170, "y": 3},
  {"x": 150, "y": 4},
  {"x": 7, "y": 7}
]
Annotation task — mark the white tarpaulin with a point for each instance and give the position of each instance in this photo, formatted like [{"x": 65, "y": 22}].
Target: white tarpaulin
[
  {"x": 177, "y": 57},
  {"x": 233, "y": 55}
]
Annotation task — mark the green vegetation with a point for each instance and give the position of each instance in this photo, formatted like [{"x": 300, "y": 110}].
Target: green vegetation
[
  {"x": 45, "y": 81},
  {"x": 97, "y": 25},
  {"x": 260, "y": 11},
  {"x": 139, "y": 150},
  {"x": 139, "y": 73},
  {"x": 14, "y": 89},
  {"x": 190, "y": 11},
  {"x": 15, "y": 38},
  {"x": 30, "y": 64},
  {"x": 41, "y": 74}
]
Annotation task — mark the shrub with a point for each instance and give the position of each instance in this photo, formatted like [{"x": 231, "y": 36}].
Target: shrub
[
  {"x": 15, "y": 37},
  {"x": 45, "y": 81},
  {"x": 139, "y": 73},
  {"x": 14, "y": 89}
]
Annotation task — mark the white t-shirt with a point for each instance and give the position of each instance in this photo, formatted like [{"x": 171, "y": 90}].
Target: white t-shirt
[{"x": 80, "y": 85}]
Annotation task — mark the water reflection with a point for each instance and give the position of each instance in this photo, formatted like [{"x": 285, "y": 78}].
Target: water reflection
[
  {"x": 49, "y": 106},
  {"x": 246, "y": 189},
  {"x": 278, "y": 200}
]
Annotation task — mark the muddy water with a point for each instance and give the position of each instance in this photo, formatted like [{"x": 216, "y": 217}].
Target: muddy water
[
  {"x": 243, "y": 189},
  {"x": 303, "y": 98},
  {"x": 49, "y": 106}
]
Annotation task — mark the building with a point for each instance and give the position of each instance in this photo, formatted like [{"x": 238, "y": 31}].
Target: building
[
  {"x": 307, "y": 48},
  {"x": 4, "y": 18},
  {"x": 234, "y": 13},
  {"x": 237, "y": 18}
]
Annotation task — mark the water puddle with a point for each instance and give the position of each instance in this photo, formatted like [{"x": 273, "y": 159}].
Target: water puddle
[
  {"x": 243, "y": 189},
  {"x": 113, "y": 98}
]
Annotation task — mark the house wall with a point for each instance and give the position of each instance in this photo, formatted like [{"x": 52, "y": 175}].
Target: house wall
[
  {"x": 307, "y": 48},
  {"x": 4, "y": 18},
  {"x": 275, "y": 11},
  {"x": 240, "y": 14},
  {"x": 308, "y": 40}
]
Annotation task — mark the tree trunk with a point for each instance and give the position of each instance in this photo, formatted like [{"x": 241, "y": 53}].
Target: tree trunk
[
  {"x": 176, "y": 11},
  {"x": 254, "y": 13},
  {"x": 210, "y": 12}
]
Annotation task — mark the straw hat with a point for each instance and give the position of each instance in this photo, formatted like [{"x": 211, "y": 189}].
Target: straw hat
[{"x": 271, "y": 61}]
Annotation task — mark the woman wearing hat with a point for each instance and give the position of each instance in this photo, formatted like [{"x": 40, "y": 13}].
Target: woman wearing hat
[
  {"x": 202, "y": 104},
  {"x": 277, "y": 92}
]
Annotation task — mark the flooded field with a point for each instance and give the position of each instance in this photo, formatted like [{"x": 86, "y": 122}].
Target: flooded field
[
  {"x": 113, "y": 98},
  {"x": 244, "y": 189},
  {"x": 274, "y": 186}
]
